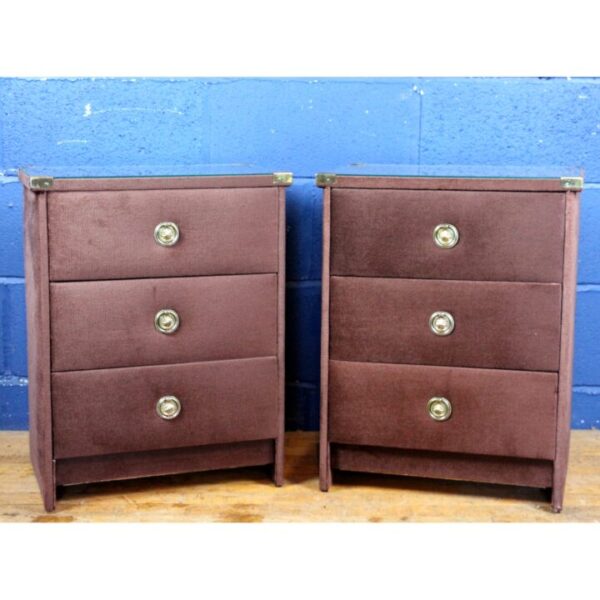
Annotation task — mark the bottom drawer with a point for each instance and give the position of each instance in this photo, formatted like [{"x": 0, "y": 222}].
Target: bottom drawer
[
  {"x": 112, "y": 411},
  {"x": 493, "y": 412}
]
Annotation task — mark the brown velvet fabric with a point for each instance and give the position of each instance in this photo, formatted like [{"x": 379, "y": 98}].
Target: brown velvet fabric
[
  {"x": 497, "y": 325},
  {"x": 114, "y": 410},
  {"x": 38, "y": 344},
  {"x": 71, "y": 471},
  {"x": 510, "y": 285},
  {"x": 179, "y": 182},
  {"x": 504, "y": 236},
  {"x": 565, "y": 377},
  {"x": 496, "y": 412},
  {"x": 94, "y": 326},
  {"x": 489, "y": 469},
  {"x": 436, "y": 184},
  {"x": 324, "y": 457},
  {"x": 106, "y": 324},
  {"x": 278, "y": 470},
  {"x": 110, "y": 235}
]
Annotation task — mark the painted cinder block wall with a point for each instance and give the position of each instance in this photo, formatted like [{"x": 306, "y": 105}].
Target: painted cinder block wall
[{"x": 305, "y": 126}]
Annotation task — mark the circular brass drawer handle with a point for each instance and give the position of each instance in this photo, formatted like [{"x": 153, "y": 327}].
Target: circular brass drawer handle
[
  {"x": 166, "y": 321},
  {"x": 439, "y": 408},
  {"x": 441, "y": 322},
  {"x": 166, "y": 234},
  {"x": 445, "y": 235},
  {"x": 168, "y": 407}
]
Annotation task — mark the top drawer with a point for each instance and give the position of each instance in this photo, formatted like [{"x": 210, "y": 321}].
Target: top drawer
[
  {"x": 111, "y": 235},
  {"x": 502, "y": 236}
]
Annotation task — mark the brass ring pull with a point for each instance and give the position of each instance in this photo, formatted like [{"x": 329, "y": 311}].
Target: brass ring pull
[
  {"x": 166, "y": 234},
  {"x": 439, "y": 408},
  {"x": 441, "y": 323},
  {"x": 445, "y": 235},
  {"x": 166, "y": 321},
  {"x": 168, "y": 407}
]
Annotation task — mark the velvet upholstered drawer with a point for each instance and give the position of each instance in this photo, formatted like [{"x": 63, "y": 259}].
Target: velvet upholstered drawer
[
  {"x": 111, "y": 234},
  {"x": 499, "y": 235},
  {"x": 374, "y": 404},
  {"x": 103, "y": 324},
  {"x": 495, "y": 324},
  {"x": 115, "y": 410}
]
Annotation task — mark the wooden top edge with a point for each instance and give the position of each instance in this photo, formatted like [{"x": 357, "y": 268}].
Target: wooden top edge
[
  {"x": 40, "y": 183},
  {"x": 556, "y": 184}
]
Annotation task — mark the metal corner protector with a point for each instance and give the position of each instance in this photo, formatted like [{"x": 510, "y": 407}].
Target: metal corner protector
[
  {"x": 283, "y": 178},
  {"x": 572, "y": 183},
  {"x": 40, "y": 182},
  {"x": 325, "y": 179}
]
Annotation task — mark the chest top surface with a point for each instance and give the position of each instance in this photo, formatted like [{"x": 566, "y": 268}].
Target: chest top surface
[
  {"x": 123, "y": 177},
  {"x": 515, "y": 177}
]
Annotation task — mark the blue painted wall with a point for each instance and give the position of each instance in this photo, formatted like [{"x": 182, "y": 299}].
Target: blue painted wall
[{"x": 302, "y": 125}]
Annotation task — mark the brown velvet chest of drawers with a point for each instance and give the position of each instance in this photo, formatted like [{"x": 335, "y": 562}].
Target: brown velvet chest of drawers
[
  {"x": 447, "y": 327},
  {"x": 155, "y": 310}
]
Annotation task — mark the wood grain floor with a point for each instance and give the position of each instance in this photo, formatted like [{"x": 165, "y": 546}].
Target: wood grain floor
[{"x": 247, "y": 495}]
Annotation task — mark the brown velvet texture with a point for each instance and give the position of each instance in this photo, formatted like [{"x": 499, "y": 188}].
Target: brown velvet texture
[
  {"x": 94, "y": 326},
  {"x": 565, "y": 379},
  {"x": 504, "y": 236},
  {"x": 490, "y": 469},
  {"x": 279, "y": 462},
  {"x": 106, "y": 324},
  {"x": 510, "y": 285},
  {"x": 497, "y": 324},
  {"x": 168, "y": 182},
  {"x": 114, "y": 410},
  {"x": 71, "y": 471},
  {"x": 437, "y": 184},
  {"x": 38, "y": 344},
  {"x": 110, "y": 235},
  {"x": 386, "y": 405},
  {"x": 324, "y": 456}
]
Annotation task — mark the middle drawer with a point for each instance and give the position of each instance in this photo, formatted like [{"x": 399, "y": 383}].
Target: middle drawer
[
  {"x": 496, "y": 324},
  {"x": 104, "y": 324}
]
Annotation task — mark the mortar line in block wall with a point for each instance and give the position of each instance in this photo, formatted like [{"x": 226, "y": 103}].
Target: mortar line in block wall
[{"x": 592, "y": 390}]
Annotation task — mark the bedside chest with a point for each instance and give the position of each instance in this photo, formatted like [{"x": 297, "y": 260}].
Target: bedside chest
[
  {"x": 447, "y": 325},
  {"x": 155, "y": 308}
]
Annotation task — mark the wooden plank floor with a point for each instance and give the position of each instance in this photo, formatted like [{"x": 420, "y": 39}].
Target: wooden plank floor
[{"x": 247, "y": 495}]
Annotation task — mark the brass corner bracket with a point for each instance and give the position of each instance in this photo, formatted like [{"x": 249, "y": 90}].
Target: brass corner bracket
[
  {"x": 325, "y": 179},
  {"x": 283, "y": 178},
  {"x": 41, "y": 183},
  {"x": 572, "y": 183}
]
